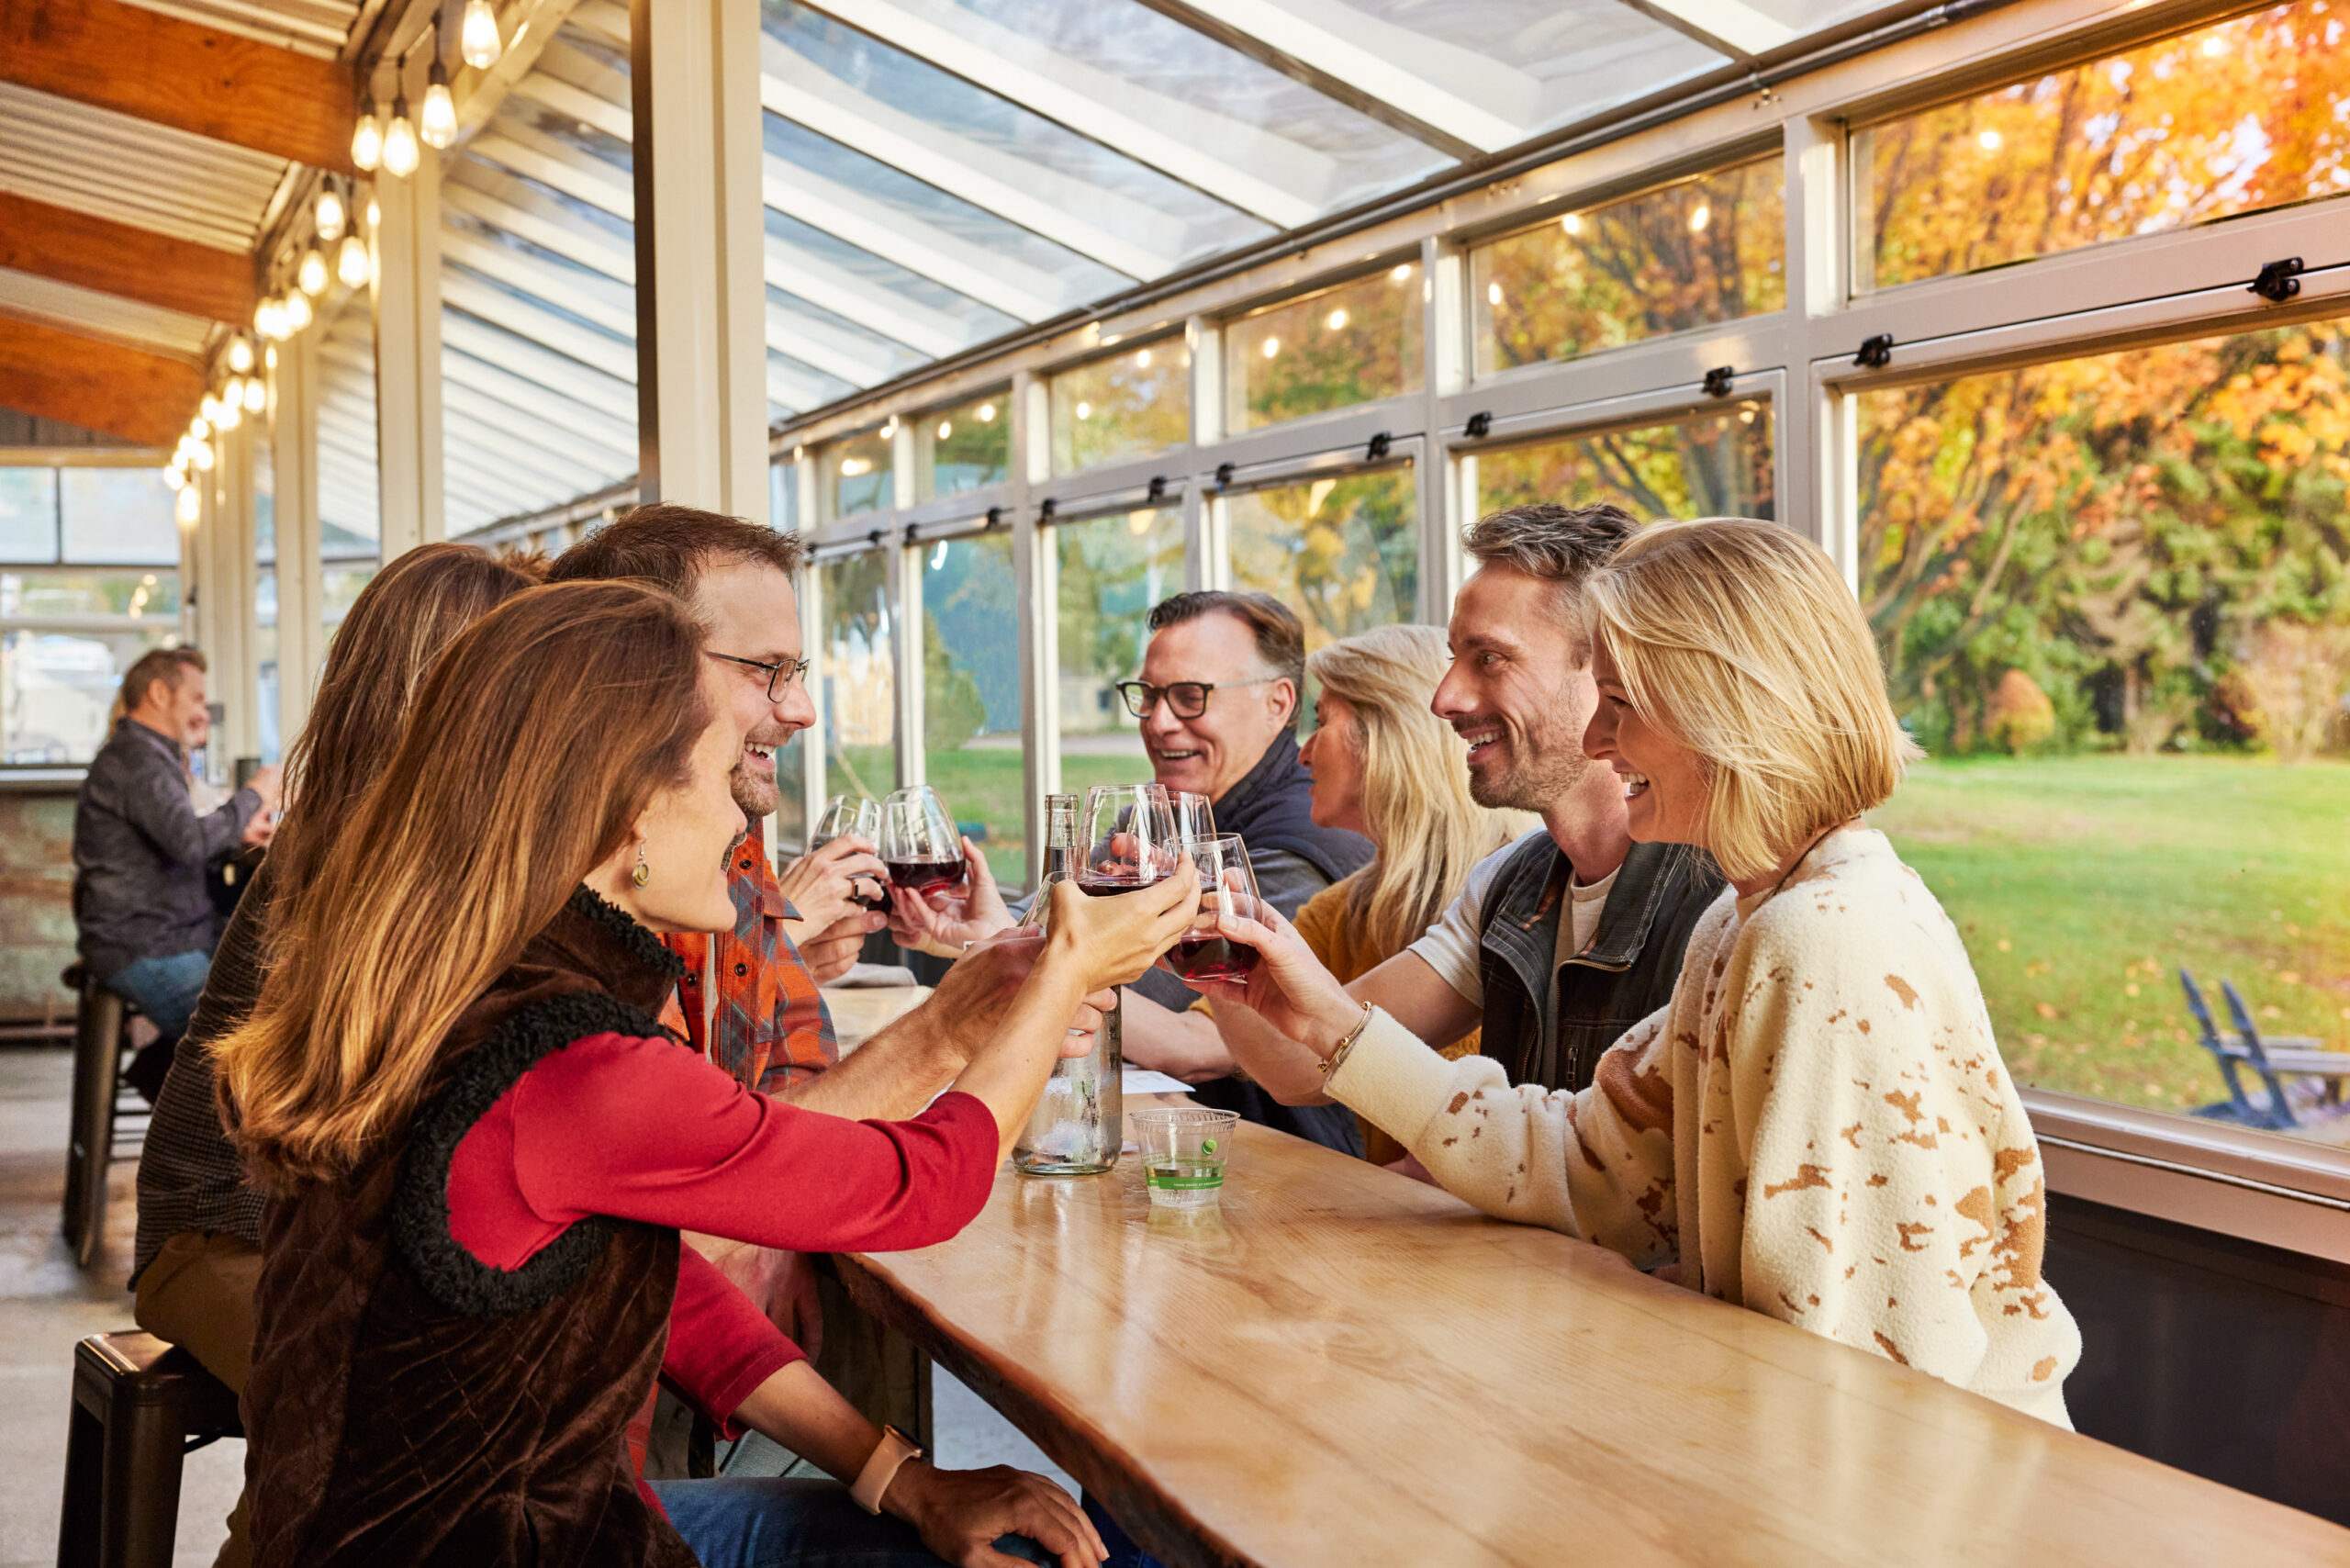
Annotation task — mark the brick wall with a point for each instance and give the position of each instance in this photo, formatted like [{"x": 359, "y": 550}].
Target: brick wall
[{"x": 36, "y": 904}]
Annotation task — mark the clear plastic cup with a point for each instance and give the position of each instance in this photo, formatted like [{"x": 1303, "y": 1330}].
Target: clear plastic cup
[{"x": 1184, "y": 1148}]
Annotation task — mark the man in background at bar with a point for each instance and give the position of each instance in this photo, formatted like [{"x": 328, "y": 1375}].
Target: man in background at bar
[{"x": 139, "y": 852}]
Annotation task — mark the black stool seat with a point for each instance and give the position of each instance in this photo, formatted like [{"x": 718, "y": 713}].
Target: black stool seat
[{"x": 139, "y": 1406}]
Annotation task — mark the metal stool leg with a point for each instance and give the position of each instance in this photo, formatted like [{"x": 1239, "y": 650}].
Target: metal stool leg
[
  {"x": 78, "y": 1528},
  {"x": 141, "y": 1513},
  {"x": 98, "y": 1063}
]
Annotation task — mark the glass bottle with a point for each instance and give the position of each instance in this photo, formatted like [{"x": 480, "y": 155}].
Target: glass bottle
[{"x": 1079, "y": 1126}]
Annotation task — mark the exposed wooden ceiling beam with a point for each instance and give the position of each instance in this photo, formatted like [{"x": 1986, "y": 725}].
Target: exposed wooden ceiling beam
[
  {"x": 100, "y": 386},
  {"x": 183, "y": 74},
  {"x": 133, "y": 264}
]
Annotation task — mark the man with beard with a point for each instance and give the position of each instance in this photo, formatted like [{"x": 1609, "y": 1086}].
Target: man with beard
[{"x": 1561, "y": 941}]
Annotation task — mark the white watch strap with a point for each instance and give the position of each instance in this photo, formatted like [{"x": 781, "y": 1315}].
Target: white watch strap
[{"x": 881, "y": 1468}]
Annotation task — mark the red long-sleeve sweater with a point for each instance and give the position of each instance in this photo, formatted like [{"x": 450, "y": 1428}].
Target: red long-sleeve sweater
[{"x": 641, "y": 1129}]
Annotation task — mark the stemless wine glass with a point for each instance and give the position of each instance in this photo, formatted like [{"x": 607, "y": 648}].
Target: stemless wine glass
[
  {"x": 918, "y": 840},
  {"x": 851, "y": 814},
  {"x": 1131, "y": 831},
  {"x": 1194, "y": 818},
  {"x": 1226, "y": 882}
]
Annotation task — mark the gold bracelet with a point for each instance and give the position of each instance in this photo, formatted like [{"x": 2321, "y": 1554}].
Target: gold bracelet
[{"x": 1346, "y": 1043}]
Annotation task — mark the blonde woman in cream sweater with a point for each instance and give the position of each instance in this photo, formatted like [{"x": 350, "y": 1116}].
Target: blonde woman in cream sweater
[{"x": 1817, "y": 1126}]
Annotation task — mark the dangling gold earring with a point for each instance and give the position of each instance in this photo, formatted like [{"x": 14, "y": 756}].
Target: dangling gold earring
[{"x": 644, "y": 873}]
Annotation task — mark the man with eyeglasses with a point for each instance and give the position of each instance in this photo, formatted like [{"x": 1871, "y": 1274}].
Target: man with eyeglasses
[{"x": 1217, "y": 700}]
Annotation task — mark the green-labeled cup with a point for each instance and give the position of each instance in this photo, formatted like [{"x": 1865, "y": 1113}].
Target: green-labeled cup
[{"x": 1184, "y": 1150}]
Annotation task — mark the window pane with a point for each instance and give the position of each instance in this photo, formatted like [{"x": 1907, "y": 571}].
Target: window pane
[
  {"x": 2227, "y": 119},
  {"x": 1703, "y": 250},
  {"x": 117, "y": 514},
  {"x": 783, "y": 498},
  {"x": 2108, "y": 597},
  {"x": 264, "y": 649},
  {"x": 1717, "y": 466},
  {"x": 1344, "y": 553},
  {"x": 1123, "y": 406},
  {"x": 970, "y": 695},
  {"x": 859, "y": 674},
  {"x": 791, "y": 796},
  {"x": 152, "y": 596},
  {"x": 1350, "y": 345},
  {"x": 1112, "y": 571},
  {"x": 343, "y": 581},
  {"x": 854, "y": 474},
  {"x": 28, "y": 514},
  {"x": 56, "y": 688},
  {"x": 965, "y": 447}
]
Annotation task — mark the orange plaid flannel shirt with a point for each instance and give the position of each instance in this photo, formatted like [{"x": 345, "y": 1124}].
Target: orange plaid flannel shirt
[{"x": 772, "y": 1028}]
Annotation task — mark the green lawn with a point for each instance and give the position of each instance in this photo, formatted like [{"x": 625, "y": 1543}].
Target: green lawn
[{"x": 2082, "y": 884}]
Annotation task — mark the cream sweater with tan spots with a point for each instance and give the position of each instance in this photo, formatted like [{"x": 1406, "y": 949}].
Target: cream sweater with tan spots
[{"x": 1817, "y": 1126}]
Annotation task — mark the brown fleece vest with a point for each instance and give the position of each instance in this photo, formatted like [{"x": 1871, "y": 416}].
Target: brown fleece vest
[{"x": 409, "y": 1404}]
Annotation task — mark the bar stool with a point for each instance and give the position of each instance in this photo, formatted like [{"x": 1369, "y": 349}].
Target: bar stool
[
  {"x": 101, "y": 1039},
  {"x": 140, "y": 1407}
]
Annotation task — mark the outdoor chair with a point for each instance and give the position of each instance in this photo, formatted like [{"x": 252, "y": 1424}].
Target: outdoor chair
[
  {"x": 101, "y": 1043},
  {"x": 140, "y": 1407},
  {"x": 2292, "y": 1055},
  {"x": 2274, "y": 1061}
]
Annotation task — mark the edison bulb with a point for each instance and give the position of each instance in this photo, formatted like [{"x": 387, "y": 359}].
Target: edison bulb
[
  {"x": 477, "y": 39},
  {"x": 367, "y": 142},
  {"x": 351, "y": 260},
  {"x": 312, "y": 273},
  {"x": 240, "y": 355},
  {"x": 203, "y": 455},
  {"x": 437, "y": 121},
  {"x": 256, "y": 394},
  {"x": 297, "y": 312},
  {"x": 329, "y": 214},
  {"x": 232, "y": 413},
  {"x": 191, "y": 505},
  {"x": 175, "y": 478},
  {"x": 199, "y": 428},
  {"x": 400, "y": 152},
  {"x": 211, "y": 408}
]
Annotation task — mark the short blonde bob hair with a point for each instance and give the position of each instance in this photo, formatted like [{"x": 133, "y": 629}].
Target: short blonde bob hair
[{"x": 1741, "y": 641}]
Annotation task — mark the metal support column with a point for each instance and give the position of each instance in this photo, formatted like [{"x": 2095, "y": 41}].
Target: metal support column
[
  {"x": 301, "y": 585},
  {"x": 407, "y": 357}
]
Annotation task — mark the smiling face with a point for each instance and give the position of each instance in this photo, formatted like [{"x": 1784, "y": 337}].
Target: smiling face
[
  {"x": 1666, "y": 789},
  {"x": 1329, "y": 753},
  {"x": 686, "y": 831},
  {"x": 753, "y": 613},
  {"x": 1519, "y": 691},
  {"x": 1212, "y": 753}
]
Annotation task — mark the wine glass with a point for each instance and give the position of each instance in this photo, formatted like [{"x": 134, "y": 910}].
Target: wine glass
[
  {"x": 1194, "y": 818},
  {"x": 918, "y": 842},
  {"x": 1131, "y": 830},
  {"x": 850, "y": 815},
  {"x": 1228, "y": 881}
]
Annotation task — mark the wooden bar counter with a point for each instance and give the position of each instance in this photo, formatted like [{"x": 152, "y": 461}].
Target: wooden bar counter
[{"x": 1345, "y": 1367}]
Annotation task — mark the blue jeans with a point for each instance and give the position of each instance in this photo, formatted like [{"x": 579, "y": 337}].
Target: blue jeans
[
  {"x": 1123, "y": 1553},
  {"x": 165, "y": 988},
  {"x": 769, "y": 1522}
]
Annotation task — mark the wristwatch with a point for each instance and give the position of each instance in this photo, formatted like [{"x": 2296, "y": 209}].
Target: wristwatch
[{"x": 881, "y": 1468}]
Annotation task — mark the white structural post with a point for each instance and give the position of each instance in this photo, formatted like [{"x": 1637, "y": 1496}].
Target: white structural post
[
  {"x": 407, "y": 298},
  {"x": 301, "y": 586},
  {"x": 701, "y": 255},
  {"x": 229, "y": 593}
]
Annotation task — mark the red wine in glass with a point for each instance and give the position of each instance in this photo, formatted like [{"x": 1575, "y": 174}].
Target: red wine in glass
[
  {"x": 1099, "y": 886},
  {"x": 920, "y": 877},
  {"x": 1211, "y": 957}
]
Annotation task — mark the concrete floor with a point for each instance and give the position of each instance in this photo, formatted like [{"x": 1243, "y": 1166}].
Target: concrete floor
[{"x": 46, "y": 1305}]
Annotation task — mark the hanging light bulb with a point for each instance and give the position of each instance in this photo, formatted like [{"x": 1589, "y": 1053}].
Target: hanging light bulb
[
  {"x": 375, "y": 214},
  {"x": 330, "y": 213},
  {"x": 312, "y": 274},
  {"x": 437, "y": 122},
  {"x": 366, "y": 143},
  {"x": 210, "y": 408},
  {"x": 269, "y": 356},
  {"x": 351, "y": 260},
  {"x": 241, "y": 355},
  {"x": 256, "y": 394},
  {"x": 400, "y": 155},
  {"x": 175, "y": 477},
  {"x": 477, "y": 40},
  {"x": 191, "y": 505},
  {"x": 297, "y": 311},
  {"x": 203, "y": 455},
  {"x": 232, "y": 413},
  {"x": 199, "y": 428}
]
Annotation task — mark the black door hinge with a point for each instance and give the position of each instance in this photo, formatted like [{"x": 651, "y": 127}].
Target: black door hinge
[{"x": 2278, "y": 281}]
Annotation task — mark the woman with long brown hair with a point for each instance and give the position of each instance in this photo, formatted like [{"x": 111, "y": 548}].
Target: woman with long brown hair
[
  {"x": 200, "y": 1223},
  {"x": 485, "y": 1145}
]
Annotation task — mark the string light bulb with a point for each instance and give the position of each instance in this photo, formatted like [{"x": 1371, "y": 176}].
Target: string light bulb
[
  {"x": 437, "y": 121},
  {"x": 366, "y": 143},
  {"x": 269, "y": 356},
  {"x": 232, "y": 412},
  {"x": 400, "y": 152},
  {"x": 312, "y": 273},
  {"x": 191, "y": 505},
  {"x": 241, "y": 355},
  {"x": 256, "y": 394},
  {"x": 297, "y": 311},
  {"x": 175, "y": 477},
  {"x": 351, "y": 262},
  {"x": 210, "y": 409},
  {"x": 477, "y": 38},
  {"x": 330, "y": 213}
]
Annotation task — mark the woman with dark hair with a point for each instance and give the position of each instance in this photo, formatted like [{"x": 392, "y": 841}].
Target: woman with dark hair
[
  {"x": 198, "y": 1250},
  {"x": 483, "y": 1146}
]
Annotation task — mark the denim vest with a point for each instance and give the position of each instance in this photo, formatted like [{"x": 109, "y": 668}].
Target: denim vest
[{"x": 1627, "y": 972}]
